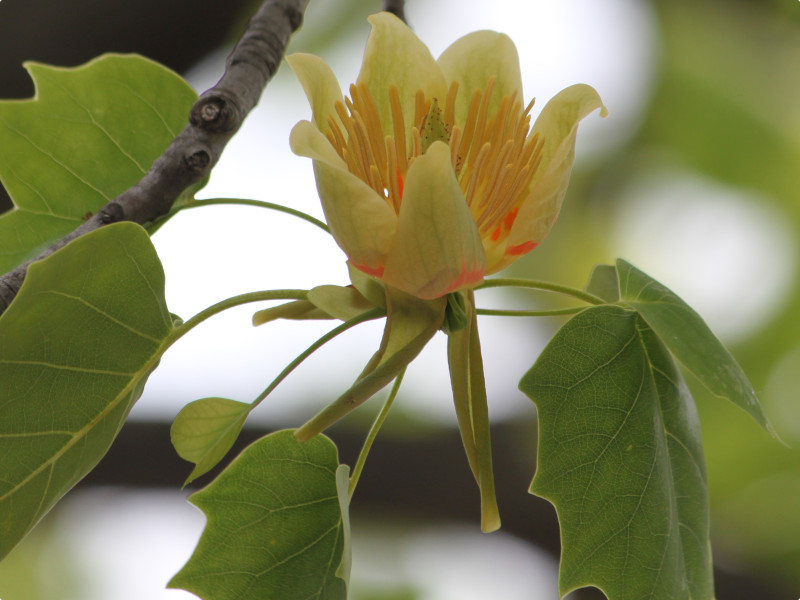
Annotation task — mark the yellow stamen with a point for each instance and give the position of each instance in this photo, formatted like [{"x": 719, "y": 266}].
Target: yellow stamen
[
  {"x": 450, "y": 106},
  {"x": 493, "y": 156},
  {"x": 399, "y": 129}
]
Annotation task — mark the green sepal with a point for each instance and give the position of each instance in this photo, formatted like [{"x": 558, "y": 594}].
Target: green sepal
[
  {"x": 369, "y": 287},
  {"x": 322, "y": 302},
  {"x": 343, "y": 303},
  {"x": 472, "y": 411},
  {"x": 455, "y": 316},
  {"x": 410, "y": 324},
  {"x": 297, "y": 310}
]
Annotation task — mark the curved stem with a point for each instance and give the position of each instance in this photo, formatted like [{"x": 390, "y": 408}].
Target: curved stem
[
  {"x": 367, "y": 316},
  {"x": 260, "y": 204},
  {"x": 373, "y": 432},
  {"x": 181, "y": 330},
  {"x": 490, "y": 312},
  {"x": 544, "y": 286}
]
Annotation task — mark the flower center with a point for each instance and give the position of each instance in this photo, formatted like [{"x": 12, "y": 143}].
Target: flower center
[{"x": 494, "y": 159}]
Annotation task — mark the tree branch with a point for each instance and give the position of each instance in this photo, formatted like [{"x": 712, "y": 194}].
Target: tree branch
[
  {"x": 396, "y": 7},
  {"x": 213, "y": 120}
]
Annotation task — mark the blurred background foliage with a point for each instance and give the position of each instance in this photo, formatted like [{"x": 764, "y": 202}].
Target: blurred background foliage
[
  {"x": 708, "y": 183},
  {"x": 725, "y": 107}
]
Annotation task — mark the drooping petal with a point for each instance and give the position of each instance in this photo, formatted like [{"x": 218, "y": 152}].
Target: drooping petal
[
  {"x": 360, "y": 220},
  {"x": 469, "y": 395},
  {"x": 296, "y": 310},
  {"x": 395, "y": 56},
  {"x": 437, "y": 247},
  {"x": 320, "y": 85},
  {"x": 342, "y": 303},
  {"x": 557, "y": 126},
  {"x": 472, "y": 60}
]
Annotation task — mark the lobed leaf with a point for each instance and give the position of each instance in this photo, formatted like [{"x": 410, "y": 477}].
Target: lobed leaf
[
  {"x": 604, "y": 283},
  {"x": 276, "y": 525},
  {"x": 689, "y": 339},
  {"x": 620, "y": 457},
  {"x": 88, "y": 134},
  {"x": 205, "y": 430},
  {"x": 76, "y": 346}
]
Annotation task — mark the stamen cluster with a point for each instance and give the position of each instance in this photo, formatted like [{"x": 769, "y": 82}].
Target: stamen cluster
[{"x": 493, "y": 157}]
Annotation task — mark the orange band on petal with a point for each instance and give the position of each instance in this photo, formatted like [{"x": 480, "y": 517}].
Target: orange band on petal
[
  {"x": 510, "y": 218},
  {"x": 467, "y": 277},
  {"x": 521, "y": 249},
  {"x": 374, "y": 272}
]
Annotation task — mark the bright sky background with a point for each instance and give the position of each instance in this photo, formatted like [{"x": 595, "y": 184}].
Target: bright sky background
[{"x": 215, "y": 253}]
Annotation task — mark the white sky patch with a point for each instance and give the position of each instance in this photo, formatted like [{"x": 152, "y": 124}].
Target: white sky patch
[{"x": 728, "y": 253}]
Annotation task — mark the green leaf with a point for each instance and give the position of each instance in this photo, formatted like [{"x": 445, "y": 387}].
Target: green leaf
[
  {"x": 604, "y": 283},
  {"x": 620, "y": 457},
  {"x": 89, "y": 133},
  {"x": 689, "y": 339},
  {"x": 205, "y": 430},
  {"x": 275, "y": 525},
  {"x": 76, "y": 347}
]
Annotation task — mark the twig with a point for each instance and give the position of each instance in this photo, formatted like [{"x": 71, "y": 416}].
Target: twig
[
  {"x": 214, "y": 119},
  {"x": 396, "y": 7}
]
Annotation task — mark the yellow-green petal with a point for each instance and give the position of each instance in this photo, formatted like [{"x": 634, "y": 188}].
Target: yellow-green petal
[
  {"x": 320, "y": 85},
  {"x": 359, "y": 219},
  {"x": 343, "y": 303},
  {"x": 394, "y": 55},
  {"x": 473, "y": 59},
  {"x": 296, "y": 310},
  {"x": 557, "y": 125},
  {"x": 306, "y": 140},
  {"x": 437, "y": 247}
]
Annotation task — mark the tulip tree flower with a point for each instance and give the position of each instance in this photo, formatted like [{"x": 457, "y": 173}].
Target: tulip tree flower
[
  {"x": 430, "y": 174},
  {"x": 431, "y": 177}
]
